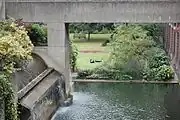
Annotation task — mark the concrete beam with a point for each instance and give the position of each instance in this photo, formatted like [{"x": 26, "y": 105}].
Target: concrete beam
[
  {"x": 92, "y": 1},
  {"x": 139, "y": 11}
]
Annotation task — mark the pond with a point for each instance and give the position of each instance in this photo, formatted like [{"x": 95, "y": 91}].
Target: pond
[{"x": 109, "y": 101}]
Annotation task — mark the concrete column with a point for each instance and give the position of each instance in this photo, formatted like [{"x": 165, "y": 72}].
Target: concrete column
[
  {"x": 2, "y": 9},
  {"x": 58, "y": 49}
]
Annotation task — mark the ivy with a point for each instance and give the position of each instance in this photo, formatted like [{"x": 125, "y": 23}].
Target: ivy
[
  {"x": 15, "y": 45},
  {"x": 6, "y": 92}
]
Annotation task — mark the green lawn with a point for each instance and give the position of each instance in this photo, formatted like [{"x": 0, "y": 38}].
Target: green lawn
[
  {"x": 94, "y": 44},
  {"x": 83, "y": 61},
  {"x": 93, "y": 37}
]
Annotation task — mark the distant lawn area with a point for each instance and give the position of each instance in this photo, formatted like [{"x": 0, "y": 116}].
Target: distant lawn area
[
  {"x": 94, "y": 44},
  {"x": 83, "y": 61}
]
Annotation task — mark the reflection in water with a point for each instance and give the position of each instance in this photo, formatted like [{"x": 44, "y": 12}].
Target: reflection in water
[{"x": 97, "y": 101}]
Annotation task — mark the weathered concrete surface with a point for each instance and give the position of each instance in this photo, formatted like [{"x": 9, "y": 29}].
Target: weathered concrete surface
[
  {"x": 92, "y": 1},
  {"x": 56, "y": 58},
  {"x": 95, "y": 10},
  {"x": 33, "y": 69},
  {"x": 42, "y": 101},
  {"x": 2, "y": 9},
  {"x": 34, "y": 82}
]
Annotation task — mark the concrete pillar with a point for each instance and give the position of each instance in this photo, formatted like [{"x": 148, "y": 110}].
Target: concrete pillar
[
  {"x": 2, "y": 9},
  {"x": 58, "y": 49}
]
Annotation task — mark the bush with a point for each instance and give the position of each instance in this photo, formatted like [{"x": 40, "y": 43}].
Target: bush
[
  {"x": 84, "y": 73},
  {"x": 73, "y": 56},
  {"x": 161, "y": 73},
  {"x": 15, "y": 45},
  {"x": 79, "y": 35},
  {"x": 38, "y": 34}
]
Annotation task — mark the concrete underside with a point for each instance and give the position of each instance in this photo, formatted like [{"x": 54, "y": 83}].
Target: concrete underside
[
  {"x": 40, "y": 88},
  {"x": 67, "y": 11}
]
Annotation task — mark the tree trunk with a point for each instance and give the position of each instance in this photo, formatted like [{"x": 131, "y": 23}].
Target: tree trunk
[{"x": 89, "y": 36}]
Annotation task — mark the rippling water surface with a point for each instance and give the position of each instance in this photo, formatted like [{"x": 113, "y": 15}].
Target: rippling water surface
[{"x": 117, "y": 102}]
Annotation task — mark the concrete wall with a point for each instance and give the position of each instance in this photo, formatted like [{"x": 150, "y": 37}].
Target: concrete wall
[
  {"x": 2, "y": 9},
  {"x": 95, "y": 10},
  {"x": 56, "y": 55},
  {"x": 33, "y": 69}
]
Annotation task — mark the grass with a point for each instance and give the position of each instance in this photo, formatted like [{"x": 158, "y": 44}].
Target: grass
[
  {"x": 94, "y": 44},
  {"x": 83, "y": 61},
  {"x": 93, "y": 37}
]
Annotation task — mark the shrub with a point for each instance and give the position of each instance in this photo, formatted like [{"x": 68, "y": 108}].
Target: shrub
[
  {"x": 73, "y": 56},
  {"x": 79, "y": 35},
  {"x": 15, "y": 45},
  {"x": 38, "y": 34},
  {"x": 84, "y": 73},
  {"x": 161, "y": 73},
  {"x": 164, "y": 72}
]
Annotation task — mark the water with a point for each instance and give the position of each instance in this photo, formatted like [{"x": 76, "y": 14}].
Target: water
[{"x": 108, "y": 101}]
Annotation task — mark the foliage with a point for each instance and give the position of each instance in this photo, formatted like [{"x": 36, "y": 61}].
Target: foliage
[
  {"x": 155, "y": 31},
  {"x": 134, "y": 49},
  {"x": 135, "y": 54},
  {"x": 163, "y": 72},
  {"x": 84, "y": 73},
  {"x": 127, "y": 46},
  {"x": 38, "y": 34},
  {"x": 6, "y": 92},
  {"x": 15, "y": 46},
  {"x": 79, "y": 35},
  {"x": 73, "y": 55}
]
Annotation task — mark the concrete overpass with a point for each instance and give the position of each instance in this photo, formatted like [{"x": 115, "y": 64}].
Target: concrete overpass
[
  {"x": 58, "y": 13},
  {"x": 95, "y": 10}
]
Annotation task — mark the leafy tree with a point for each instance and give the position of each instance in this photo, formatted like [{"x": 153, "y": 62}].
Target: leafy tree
[{"x": 135, "y": 54}]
